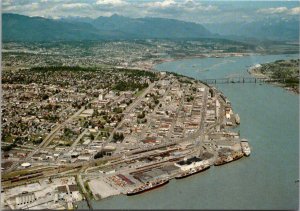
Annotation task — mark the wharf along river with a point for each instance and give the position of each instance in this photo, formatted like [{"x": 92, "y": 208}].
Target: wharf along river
[{"x": 269, "y": 120}]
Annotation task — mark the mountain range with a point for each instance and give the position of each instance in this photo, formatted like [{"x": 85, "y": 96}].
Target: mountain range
[
  {"x": 23, "y": 28},
  {"x": 17, "y": 27},
  {"x": 268, "y": 29}
]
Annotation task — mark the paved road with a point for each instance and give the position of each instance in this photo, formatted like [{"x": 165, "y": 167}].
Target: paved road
[
  {"x": 47, "y": 140},
  {"x": 78, "y": 139},
  {"x": 200, "y": 131},
  {"x": 129, "y": 108},
  {"x": 176, "y": 116},
  {"x": 52, "y": 134},
  {"x": 153, "y": 113}
]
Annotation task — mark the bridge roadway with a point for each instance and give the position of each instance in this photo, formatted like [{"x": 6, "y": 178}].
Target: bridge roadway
[{"x": 242, "y": 80}]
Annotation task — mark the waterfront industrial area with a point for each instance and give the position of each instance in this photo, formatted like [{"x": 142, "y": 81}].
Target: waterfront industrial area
[{"x": 96, "y": 133}]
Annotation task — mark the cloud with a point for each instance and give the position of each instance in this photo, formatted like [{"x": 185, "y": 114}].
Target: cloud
[
  {"x": 10, "y": 8},
  {"x": 7, "y": 3},
  {"x": 34, "y": 6},
  {"x": 27, "y": 7},
  {"x": 187, "y": 5},
  {"x": 280, "y": 10},
  {"x": 76, "y": 6},
  {"x": 111, "y": 2},
  {"x": 295, "y": 11},
  {"x": 161, "y": 4},
  {"x": 273, "y": 10}
]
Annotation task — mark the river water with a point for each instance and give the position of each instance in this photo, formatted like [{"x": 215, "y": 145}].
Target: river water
[{"x": 269, "y": 120}]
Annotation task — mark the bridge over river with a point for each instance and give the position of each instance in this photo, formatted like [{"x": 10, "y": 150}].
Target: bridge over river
[{"x": 241, "y": 80}]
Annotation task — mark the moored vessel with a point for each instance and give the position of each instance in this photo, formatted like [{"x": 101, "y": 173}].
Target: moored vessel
[
  {"x": 222, "y": 160},
  {"x": 192, "y": 171},
  {"x": 237, "y": 119},
  {"x": 148, "y": 186},
  {"x": 245, "y": 147}
]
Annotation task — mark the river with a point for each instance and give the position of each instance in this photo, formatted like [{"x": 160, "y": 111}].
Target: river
[{"x": 269, "y": 120}]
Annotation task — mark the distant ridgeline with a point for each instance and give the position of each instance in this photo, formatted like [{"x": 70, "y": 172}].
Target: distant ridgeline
[
  {"x": 23, "y": 28},
  {"x": 36, "y": 29}
]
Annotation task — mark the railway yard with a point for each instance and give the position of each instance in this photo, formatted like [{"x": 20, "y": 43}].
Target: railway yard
[{"x": 173, "y": 128}]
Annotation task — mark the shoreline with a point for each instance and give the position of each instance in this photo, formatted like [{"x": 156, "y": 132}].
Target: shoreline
[
  {"x": 201, "y": 56},
  {"x": 173, "y": 177},
  {"x": 208, "y": 55},
  {"x": 255, "y": 72},
  {"x": 149, "y": 66}
]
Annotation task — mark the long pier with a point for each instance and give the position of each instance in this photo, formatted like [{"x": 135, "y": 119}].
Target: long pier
[{"x": 241, "y": 80}]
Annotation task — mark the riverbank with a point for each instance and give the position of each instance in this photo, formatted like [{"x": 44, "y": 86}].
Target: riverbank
[
  {"x": 256, "y": 71},
  {"x": 201, "y": 56},
  {"x": 150, "y": 65}
]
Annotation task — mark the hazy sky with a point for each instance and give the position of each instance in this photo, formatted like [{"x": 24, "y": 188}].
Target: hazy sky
[{"x": 188, "y": 10}]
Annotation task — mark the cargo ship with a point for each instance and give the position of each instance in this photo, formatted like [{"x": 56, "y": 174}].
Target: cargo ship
[
  {"x": 193, "y": 171},
  {"x": 148, "y": 186},
  {"x": 245, "y": 147},
  {"x": 222, "y": 160},
  {"x": 227, "y": 159}
]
